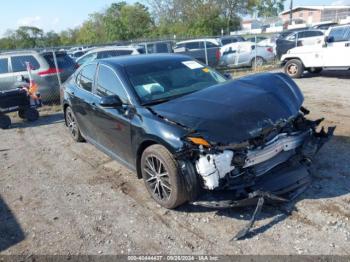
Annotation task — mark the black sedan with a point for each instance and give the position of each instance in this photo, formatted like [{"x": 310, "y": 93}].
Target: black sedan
[{"x": 187, "y": 130}]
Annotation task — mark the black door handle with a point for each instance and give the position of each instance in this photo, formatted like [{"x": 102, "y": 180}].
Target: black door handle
[{"x": 93, "y": 106}]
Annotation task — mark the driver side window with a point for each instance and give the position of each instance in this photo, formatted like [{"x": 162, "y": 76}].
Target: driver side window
[
  {"x": 109, "y": 84},
  {"x": 340, "y": 34}
]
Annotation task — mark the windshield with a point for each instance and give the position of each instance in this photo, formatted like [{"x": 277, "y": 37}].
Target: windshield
[{"x": 162, "y": 81}]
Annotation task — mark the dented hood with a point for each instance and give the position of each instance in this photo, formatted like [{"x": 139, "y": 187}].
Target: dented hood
[{"x": 236, "y": 110}]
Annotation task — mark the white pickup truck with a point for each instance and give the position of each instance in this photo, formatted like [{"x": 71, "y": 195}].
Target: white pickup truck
[{"x": 333, "y": 53}]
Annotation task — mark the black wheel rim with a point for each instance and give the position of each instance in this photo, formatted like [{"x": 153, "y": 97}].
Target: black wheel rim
[
  {"x": 157, "y": 178},
  {"x": 71, "y": 123}
]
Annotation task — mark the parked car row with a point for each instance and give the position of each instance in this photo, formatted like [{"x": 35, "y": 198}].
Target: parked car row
[{"x": 299, "y": 49}]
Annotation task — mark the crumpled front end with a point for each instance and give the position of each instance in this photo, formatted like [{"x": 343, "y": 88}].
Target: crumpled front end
[{"x": 276, "y": 160}]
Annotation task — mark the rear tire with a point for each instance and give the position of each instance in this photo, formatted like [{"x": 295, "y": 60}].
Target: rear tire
[
  {"x": 72, "y": 124},
  {"x": 31, "y": 114},
  {"x": 257, "y": 62},
  {"x": 163, "y": 178},
  {"x": 294, "y": 68},
  {"x": 5, "y": 121}
]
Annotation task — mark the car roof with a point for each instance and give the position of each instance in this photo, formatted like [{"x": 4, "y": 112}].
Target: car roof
[
  {"x": 21, "y": 52},
  {"x": 230, "y": 36},
  {"x": 122, "y": 61},
  {"x": 199, "y": 40},
  {"x": 155, "y": 42},
  {"x": 111, "y": 48}
]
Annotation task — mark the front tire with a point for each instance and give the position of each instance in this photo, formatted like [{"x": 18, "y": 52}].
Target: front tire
[
  {"x": 162, "y": 176},
  {"x": 294, "y": 68},
  {"x": 72, "y": 125}
]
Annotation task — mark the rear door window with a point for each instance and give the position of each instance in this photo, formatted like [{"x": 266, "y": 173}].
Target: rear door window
[
  {"x": 109, "y": 84},
  {"x": 124, "y": 52},
  {"x": 210, "y": 44},
  {"x": 193, "y": 45},
  {"x": 307, "y": 34},
  {"x": 86, "y": 77},
  {"x": 106, "y": 54},
  {"x": 63, "y": 60},
  {"x": 4, "y": 67},
  {"x": 162, "y": 48},
  {"x": 19, "y": 63},
  {"x": 227, "y": 41}
]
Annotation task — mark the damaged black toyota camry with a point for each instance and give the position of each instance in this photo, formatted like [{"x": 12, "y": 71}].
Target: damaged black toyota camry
[{"x": 188, "y": 131}]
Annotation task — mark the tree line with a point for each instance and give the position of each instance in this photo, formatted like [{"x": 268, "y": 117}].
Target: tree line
[{"x": 158, "y": 19}]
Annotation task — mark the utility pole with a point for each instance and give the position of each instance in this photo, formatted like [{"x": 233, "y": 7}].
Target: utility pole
[{"x": 291, "y": 12}]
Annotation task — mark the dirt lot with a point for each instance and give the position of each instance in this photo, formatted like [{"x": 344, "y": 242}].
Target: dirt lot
[{"x": 59, "y": 197}]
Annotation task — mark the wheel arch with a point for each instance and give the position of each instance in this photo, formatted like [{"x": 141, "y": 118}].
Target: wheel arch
[
  {"x": 258, "y": 56},
  {"x": 284, "y": 62},
  {"x": 65, "y": 106},
  {"x": 147, "y": 142}
]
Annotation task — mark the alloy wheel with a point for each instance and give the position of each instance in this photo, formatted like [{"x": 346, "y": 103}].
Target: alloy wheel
[
  {"x": 71, "y": 123},
  {"x": 259, "y": 62},
  {"x": 292, "y": 69},
  {"x": 157, "y": 178}
]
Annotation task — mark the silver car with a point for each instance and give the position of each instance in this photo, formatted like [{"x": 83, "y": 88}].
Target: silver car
[
  {"x": 44, "y": 72},
  {"x": 110, "y": 51},
  {"x": 245, "y": 54}
]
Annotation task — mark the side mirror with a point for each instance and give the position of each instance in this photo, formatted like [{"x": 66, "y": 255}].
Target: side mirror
[
  {"x": 329, "y": 39},
  {"x": 228, "y": 76},
  {"x": 111, "y": 101}
]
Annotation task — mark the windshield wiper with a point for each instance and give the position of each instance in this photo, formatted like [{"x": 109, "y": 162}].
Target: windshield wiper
[
  {"x": 157, "y": 101},
  {"x": 163, "y": 100}
]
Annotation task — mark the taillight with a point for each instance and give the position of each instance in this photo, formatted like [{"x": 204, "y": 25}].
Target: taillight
[
  {"x": 50, "y": 71},
  {"x": 76, "y": 66},
  {"x": 218, "y": 55},
  {"x": 269, "y": 49}
]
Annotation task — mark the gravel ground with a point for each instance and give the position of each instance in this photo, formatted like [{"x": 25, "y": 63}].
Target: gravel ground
[{"x": 60, "y": 197}]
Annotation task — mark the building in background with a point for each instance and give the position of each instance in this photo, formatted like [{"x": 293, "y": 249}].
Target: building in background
[{"x": 316, "y": 14}]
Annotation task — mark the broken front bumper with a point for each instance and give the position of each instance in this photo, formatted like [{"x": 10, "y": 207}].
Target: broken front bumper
[{"x": 286, "y": 152}]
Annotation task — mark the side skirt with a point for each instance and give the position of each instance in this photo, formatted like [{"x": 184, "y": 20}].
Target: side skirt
[{"x": 110, "y": 153}]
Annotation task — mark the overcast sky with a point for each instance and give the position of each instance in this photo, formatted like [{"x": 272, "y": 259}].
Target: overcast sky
[{"x": 63, "y": 14}]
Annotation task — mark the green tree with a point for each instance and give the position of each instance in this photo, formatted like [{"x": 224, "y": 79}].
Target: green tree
[
  {"x": 199, "y": 17},
  {"x": 93, "y": 30},
  {"x": 269, "y": 8},
  {"x": 51, "y": 39},
  {"x": 69, "y": 37},
  {"x": 135, "y": 20},
  {"x": 27, "y": 36}
]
